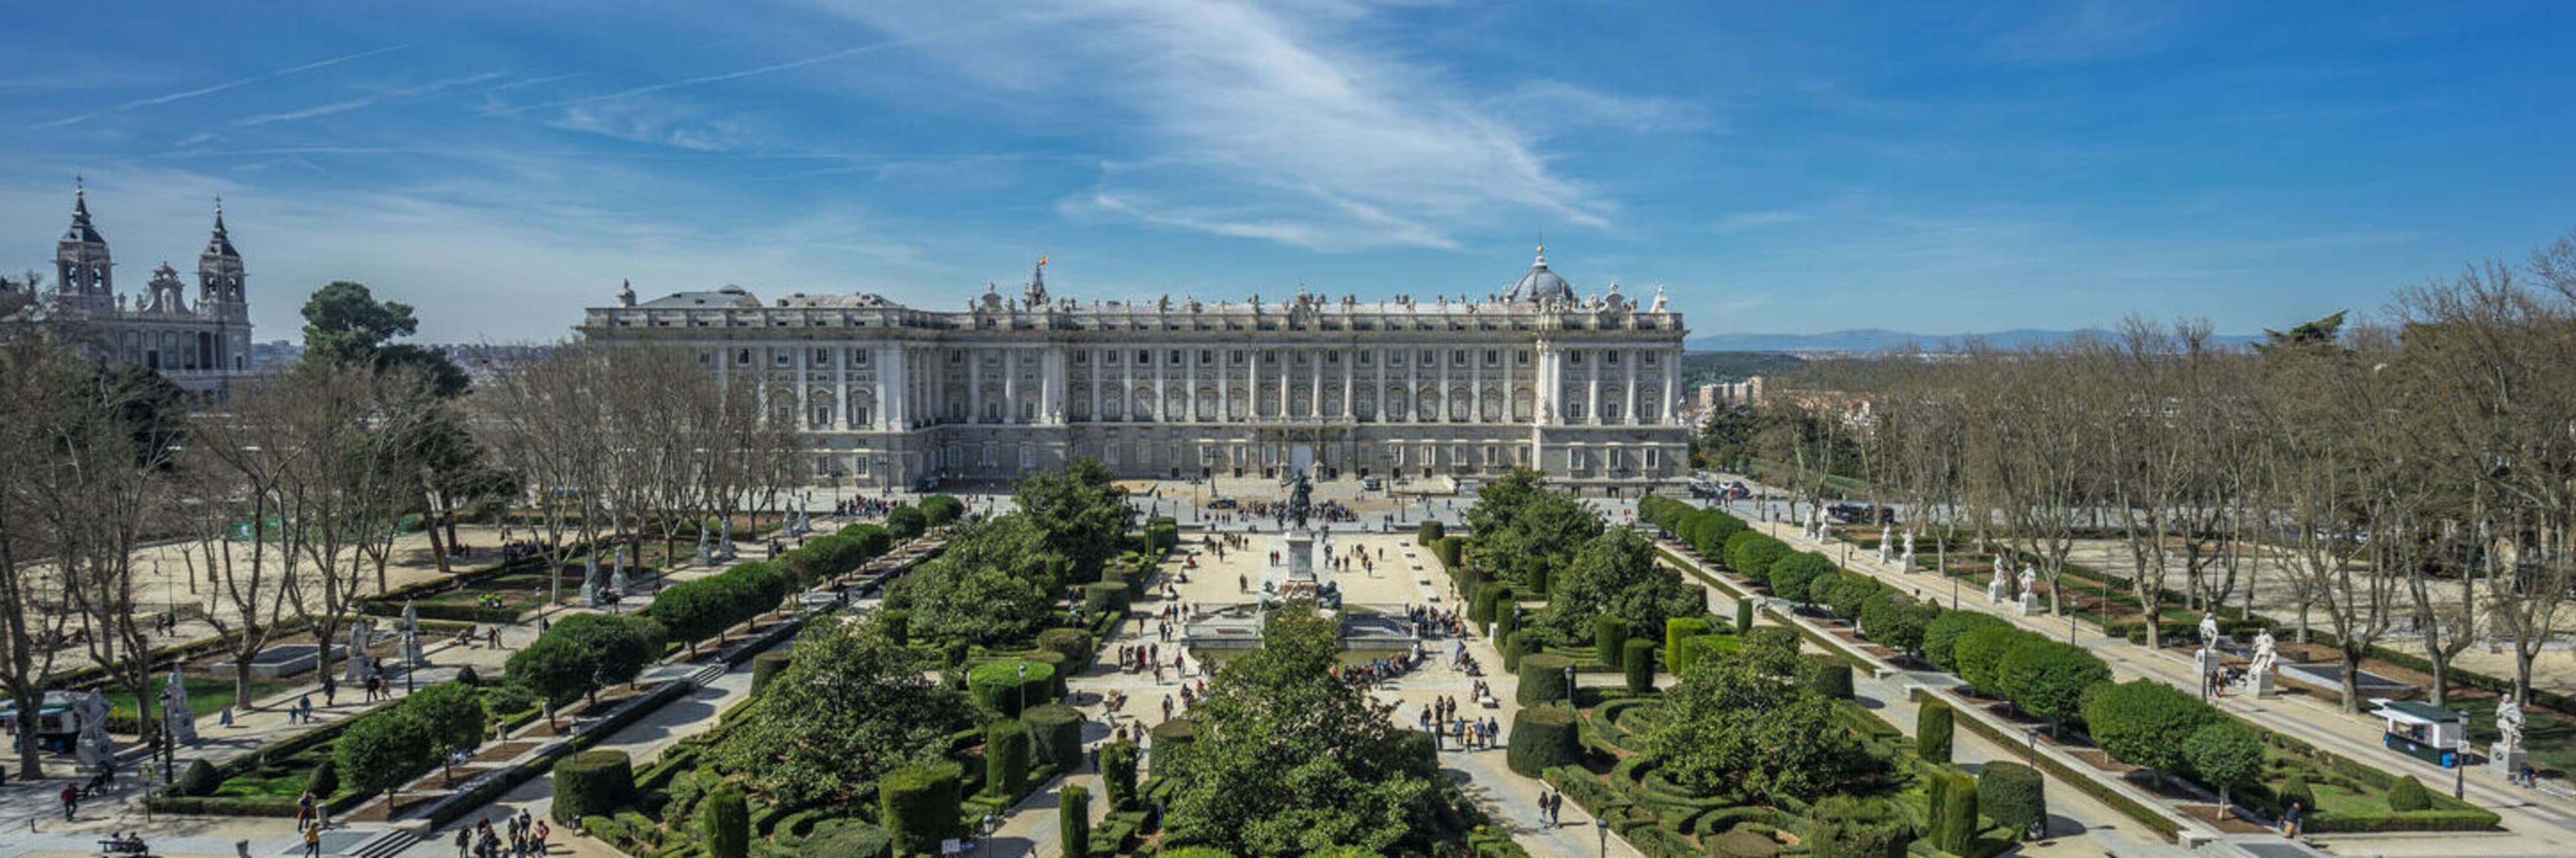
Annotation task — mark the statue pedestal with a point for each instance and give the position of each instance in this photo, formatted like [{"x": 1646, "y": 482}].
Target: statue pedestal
[
  {"x": 2029, "y": 604},
  {"x": 2259, "y": 684},
  {"x": 2507, "y": 761}
]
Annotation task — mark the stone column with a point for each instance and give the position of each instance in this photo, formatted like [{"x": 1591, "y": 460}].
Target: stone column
[
  {"x": 1381, "y": 383},
  {"x": 841, "y": 388},
  {"x": 1443, "y": 416},
  {"x": 1162, "y": 385},
  {"x": 974, "y": 385},
  {"x": 1126, "y": 386},
  {"x": 1631, "y": 386},
  {"x": 1190, "y": 379},
  {"x": 1592, "y": 391},
  {"x": 1476, "y": 384},
  {"x": 1010, "y": 384},
  {"x": 804, "y": 405},
  {"x": 1412, "y": 386},
  {"x": 1315, "y": 383},
  {"x": 1224, "y": 384},
  {"x": 1097, "y": 379},
  {"x": 1350, "y": 395}
]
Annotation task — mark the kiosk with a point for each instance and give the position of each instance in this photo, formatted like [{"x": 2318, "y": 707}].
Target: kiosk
[{"x": 2424, "y": 731}]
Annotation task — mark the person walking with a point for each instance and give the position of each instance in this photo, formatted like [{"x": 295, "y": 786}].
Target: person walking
[
  {"x": 71, "y": 801},
  {"x": 2291, "y": 818},
  {"x": 464, "y": 840},
  {"x": 313, "y": 840}
]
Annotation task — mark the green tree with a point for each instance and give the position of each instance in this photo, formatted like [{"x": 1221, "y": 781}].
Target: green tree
[
  {"x": 850, "y": 707},
  {"x": 1336, "y": 768},
  {"x": 619, "y": 647},
  {"x": 1079, "y": 513},
  {"x": 1732, "y": 724},
  {"x": 2226, "y": 755},
  {"x": 345, "y": 324},
  {"x": 990, "y": 586},
  {"x": 2146, "y": 723},
  {"x": 1526, "y": 531},
  {"x": 1616, "y": 575},
  {"x": 557, "y": 670},
  {"x": 385, "y": 748}
]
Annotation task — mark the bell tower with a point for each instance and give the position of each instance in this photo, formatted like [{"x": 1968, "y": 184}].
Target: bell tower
[
  {"x": 220, "y": 289},
  {"x": 84, "y": 279}
]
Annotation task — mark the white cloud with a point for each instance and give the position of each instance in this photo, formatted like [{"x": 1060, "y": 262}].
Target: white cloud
[
  {"x": 2088, "y": 31},
  {"x": 659, "y": 122},
  {"x": 1279, "y": 123},
  {"x": 184, "y": 95}
]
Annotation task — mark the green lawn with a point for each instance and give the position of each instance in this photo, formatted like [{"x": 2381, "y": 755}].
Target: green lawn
[
  {"x": 205, "y": 696},
  {"x": 2333, "y": 799},
  {"x": 281, "y": 779}
]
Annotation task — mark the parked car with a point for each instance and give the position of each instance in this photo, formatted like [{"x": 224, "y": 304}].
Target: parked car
[{"x": 1853, "y": 513}]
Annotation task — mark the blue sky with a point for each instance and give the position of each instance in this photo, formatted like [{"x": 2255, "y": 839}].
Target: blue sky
[{"x": 1778, "y": 167}]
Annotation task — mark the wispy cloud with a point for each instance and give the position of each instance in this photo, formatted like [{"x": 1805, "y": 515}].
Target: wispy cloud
[
  {"x": 702, "y": 80},
  {"x": 366, "y": 101},
  {"x": 1245, "y": 120},
  {"x": 210, "y": 90},
  {"x": 1559, "y": 104},
  {"x": 534, "y": 81},
  {"x": 2088, "y": 31},
  {"x": 1743, "y": 221},
  {"x": 656, "y": 121}
]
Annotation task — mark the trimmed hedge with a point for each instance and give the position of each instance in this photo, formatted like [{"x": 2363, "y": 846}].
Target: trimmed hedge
[
  {"x": 593, "y": 783},
  {"x": 1073, "y": 820},
  {"x": 1944, "y": 631},
  {"x": 2013, "y": 795},
  {"x": 942, "y": 510},
  {"x": 1074, "y": 644},
  {"x": 1743, "y": 616},
  {"x": 1978, "y": 651},
  {"x": 918, "y": 806},
  {"x": 1609, "y": 634},
  {"x": 1543, "y": 679},
  {"x": 1932, "y": 729},
  {"x": 1006, "y": 759},
  {"x": 2146, "y": 723},
  {"x": 1677, "y": 628},
  {"x": 1057, "y": 731},
  {"x": 1118, "y": 774},
  {"x": 1172, "y": 740},
  {"x": 1480, "y": 607},
  {"x": 1429, "y": 532},
  {"x": 2409, "y": 795},
  {"x": 1450, "y": 549},
  {"x": 1103, "y": 596},
  {"x": 1751, "y": 554},
  {"x": 766, "y": 666},
  {"x": 1542, "y": 737},
  {"x": 1792, "y": 576},
  {"x": 1637, "y": 661},
  {"x": 2048, "y": 678},
  {"x": 1954, "y": 811},
  {"x": 999, "y": 687},
  {"x": 725, "y": 820},
  {"x": 1507, "y": 619}
]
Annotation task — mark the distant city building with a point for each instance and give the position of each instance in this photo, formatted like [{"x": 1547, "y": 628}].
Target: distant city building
[
  {"x": 1730, "y": 393},
  {"x": 1584, "y": 389},
  {"x": 204, "y": 347}
]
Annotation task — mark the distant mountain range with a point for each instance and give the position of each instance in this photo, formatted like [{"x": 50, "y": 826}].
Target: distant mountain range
[{"x": 1881, "y": 339}]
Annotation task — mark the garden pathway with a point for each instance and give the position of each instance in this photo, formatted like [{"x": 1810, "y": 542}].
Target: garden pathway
[{"x": 2543, "y": 817}]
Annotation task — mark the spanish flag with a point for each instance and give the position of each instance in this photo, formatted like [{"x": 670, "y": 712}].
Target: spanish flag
[{"x": 1041, "y": 259}]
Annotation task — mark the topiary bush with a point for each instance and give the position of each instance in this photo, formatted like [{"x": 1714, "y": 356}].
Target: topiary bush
[
  {"x": 2409, "y": 794},
  {"x": 1943, "y": 632},
  {"x": 1752, "y": 554},
  {"x": 1056, "y": 729},
  {"x": 918, "y": 806},
  {"x": 1000, "y": 686},
  {"x": 1507, "y": 619},
  {"x": 1104, "y": 596},
  {"x": 2014, "y": 796},
  {"x": 1449, "y": 550},
  {"x": 2144, "y": 722},
  {"x": 324, "y": 782},
  {"x": 1954, "y": 811},
  {"x": 1429, "y": 532},
  {"x": 2048, "y": 678},
  {"x": 1677, "y": 628},
  {"x": 1542, "y": 737},
  {"x": 1074, "y": 644},
  {"x": 1637, "y": 662},
  {"x": 200, "y": 778},
  {"x": 593, "y": 783},
  {"x": 1172, "y": 740},
  {"x": 385, "y": 748},
  {"x": 904, "y": 522},
  {"x": 1609, "y": 634},
  {"x": 1743, "y": 616},
  {"x": 1980, "y": 650},
  {"x": 1513, "y": 646},
  {"x": 1006, "y": 760},
  {"x": 2295, "y": 788},
  {"x": 1481, "y": 608},
  {"x": 1847, "y": 827},
  {"x": 1932, "y": 726},
  {"x": 1829, "y": 675},
  {"x": 1118, "y": 774},
  {"x": 1543, "y": 679},
  {"x": 1073, "y": 821},
  {"x": 1740, "y": 843},
  {"x": 941, "y": 510},
  {"x": 724, "y": 818},
  {"x": 1792, "y": 574},
  {"x": 1849, "y": 593}
]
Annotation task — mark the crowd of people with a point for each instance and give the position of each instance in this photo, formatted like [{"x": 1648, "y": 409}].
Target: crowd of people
[
  {"x": 1440, "y": 719},
  {"x": 520, "y": 836}
]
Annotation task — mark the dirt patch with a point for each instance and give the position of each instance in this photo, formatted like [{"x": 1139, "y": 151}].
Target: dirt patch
[
  {"x": 2225, "y": 822},
  {"x": 503, "y": 751},
  {"x": 386, "y": 809},
  {"x": 2098, "y": 759}
]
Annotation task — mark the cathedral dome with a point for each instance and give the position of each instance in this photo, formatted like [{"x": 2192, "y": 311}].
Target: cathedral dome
[{"x": 1540, "y": 284}]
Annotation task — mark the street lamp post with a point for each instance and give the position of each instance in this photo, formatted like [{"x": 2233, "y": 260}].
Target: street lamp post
[
  {"x": 1024, "y": 686},
  {"x": 1569, "y": 686},
  {"x": 2030, "y": 757},
  {"x": 1603, "y": 825}
]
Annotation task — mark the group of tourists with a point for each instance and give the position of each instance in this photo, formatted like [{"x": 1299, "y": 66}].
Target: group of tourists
[
  {"x": 1137, "y": 659},
  {"x": 1469, "y": 733},
  {"x": 1433, "y": 622},
  {"x": 1376, "y": 670},
  {"x": 862, "y": 507},
  {"x": 521, "y": 836}
]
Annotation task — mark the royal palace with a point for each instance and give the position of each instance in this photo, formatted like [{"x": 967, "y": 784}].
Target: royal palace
[{"x": 1581, "y": 388}]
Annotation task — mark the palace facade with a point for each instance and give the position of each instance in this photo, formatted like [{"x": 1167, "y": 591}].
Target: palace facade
[
  {"x": 1584, "y": 389},
  {"x": 203, "y": 347}
]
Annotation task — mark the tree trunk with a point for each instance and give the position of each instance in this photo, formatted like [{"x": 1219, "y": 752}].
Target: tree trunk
[
  {"x": 437, "y": 547},
  {"x": 2351, "y": 676}
]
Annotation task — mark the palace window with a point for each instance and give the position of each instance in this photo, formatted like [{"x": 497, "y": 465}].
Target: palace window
[
  {"x": 1458, "y": 357},
  {"x": 1610, "y": 357},
  {"x": 1144, "y": 357},
  {"x": 1649, "y": 358},
  {"x": 1207, "y": 357}
]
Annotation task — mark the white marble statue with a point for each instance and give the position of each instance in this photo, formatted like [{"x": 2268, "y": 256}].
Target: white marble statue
[
  {"x": 703, "y": 558},
  {"x": 1907, "y": 559},
  {"x": 2266, "y": 655},
  {"x": 2029, "y": 580},
  {"x": 411, "y": 617},
  {"x": 175, "y": 713},
  {"x": 1995, "y": 589},
  {"x": 2508, "y": 726},
  {"x": 617, "y": 576},
  {"x": 590, "y": 591},
  {"x": 1886, "y": 547},
  {"x": 360, "y": 632},
  {"x": 93, "y": 746},
  {"x": 2209, "y": 628}
]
